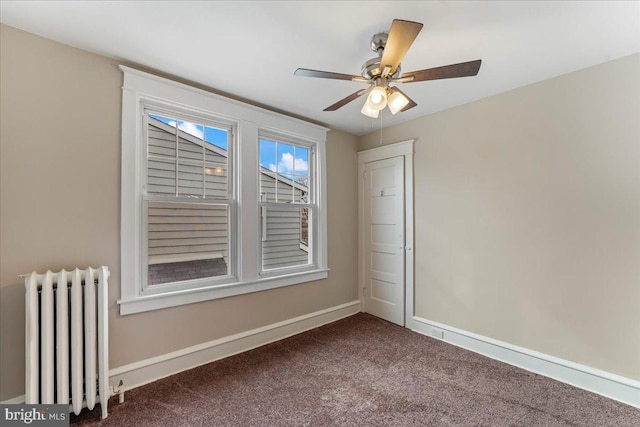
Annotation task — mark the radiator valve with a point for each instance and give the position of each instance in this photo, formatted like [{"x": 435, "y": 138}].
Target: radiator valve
[{"x": 119, "y": 390}]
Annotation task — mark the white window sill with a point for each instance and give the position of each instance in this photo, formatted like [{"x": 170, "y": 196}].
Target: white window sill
[{"x": 189, "y": 296}]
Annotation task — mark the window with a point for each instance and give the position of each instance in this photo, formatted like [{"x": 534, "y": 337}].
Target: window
[
  {"x": 286, "y": 203},
  {"x": 219, "y": 198},
  {"x": 188, "y": 200}
]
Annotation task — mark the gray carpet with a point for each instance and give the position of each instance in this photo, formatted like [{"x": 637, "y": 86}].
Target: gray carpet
[{"x": 361, "y": 371}]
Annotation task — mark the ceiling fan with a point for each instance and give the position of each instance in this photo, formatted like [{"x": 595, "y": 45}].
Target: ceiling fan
[{"x": 380, "y": 72}]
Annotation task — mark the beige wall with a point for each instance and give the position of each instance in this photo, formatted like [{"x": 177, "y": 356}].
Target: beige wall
[
  {"x": 60, "y": 206},
  {"x": 527, "y": 208},
  {"x": 527, "y": 212}
]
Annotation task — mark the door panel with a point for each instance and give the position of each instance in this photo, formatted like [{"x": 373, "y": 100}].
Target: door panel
[
  {"x": 383, "y": 233},
  {"x": 384, "y": 239},
  {"x": 382, "y": 291}
]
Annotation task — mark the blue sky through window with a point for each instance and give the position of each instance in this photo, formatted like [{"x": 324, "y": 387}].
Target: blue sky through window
[
  {"x": 217, "y": 137},
  {"x": 286, "y": 159}
]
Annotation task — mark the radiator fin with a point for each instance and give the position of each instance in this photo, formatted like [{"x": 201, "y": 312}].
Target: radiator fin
[
  {"x": 66, "y": 341},
  {"x": 62, "y": 339}
]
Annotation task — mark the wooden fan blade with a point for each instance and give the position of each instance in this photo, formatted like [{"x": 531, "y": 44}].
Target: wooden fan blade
[
  {"x": 411, "y": 103},
  {"x": 305, "y": 72},
  {"x": 401, "y": 37},
  {"x": 464, "y": 69},
  {"x": 348, "y": 99}
]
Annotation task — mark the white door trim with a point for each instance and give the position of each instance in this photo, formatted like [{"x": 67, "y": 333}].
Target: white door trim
[{"x": 404, "y": 148}]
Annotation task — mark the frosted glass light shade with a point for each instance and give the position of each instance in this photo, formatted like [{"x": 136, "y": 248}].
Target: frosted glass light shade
[
  {"x": 377, "y": 98},
  {"x": 397, "y": 101},
  {"x": 368, "y": 111}
]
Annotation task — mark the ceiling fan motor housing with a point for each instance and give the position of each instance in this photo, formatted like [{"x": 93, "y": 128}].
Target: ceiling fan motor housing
[
  {"x": 371, "y": 68},
  {"x": 378, "y": 42}
]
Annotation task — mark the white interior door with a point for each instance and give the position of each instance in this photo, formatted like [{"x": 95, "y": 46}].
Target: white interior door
[{"x": 384, "y": 239}]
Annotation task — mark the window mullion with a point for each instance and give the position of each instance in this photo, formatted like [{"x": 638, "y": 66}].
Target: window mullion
[
  {"x": 248, "y": 204},
  {"x": 204, "y": 162},
  {"x": 231, "y": 191},
  {"x": 311, "y": 172},
  {"x": 177, "y": 159},
  {"x": 275, "y": 180}
]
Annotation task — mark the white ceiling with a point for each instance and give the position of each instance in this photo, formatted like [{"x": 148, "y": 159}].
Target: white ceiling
[{"x": 251, "y": 49}]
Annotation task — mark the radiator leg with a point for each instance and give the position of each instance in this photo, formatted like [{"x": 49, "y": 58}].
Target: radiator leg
[{"x": 119, "y": 390}]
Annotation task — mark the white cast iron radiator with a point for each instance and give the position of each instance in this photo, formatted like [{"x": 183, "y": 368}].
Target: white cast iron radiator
[{"x": 67, "y": 353}]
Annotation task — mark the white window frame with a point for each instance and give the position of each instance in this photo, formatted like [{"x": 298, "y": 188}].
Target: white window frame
[
  {"x": 311, "y": 204},
  {"x": 156, "y": 108},
  {"x": 141, "y": 90}
]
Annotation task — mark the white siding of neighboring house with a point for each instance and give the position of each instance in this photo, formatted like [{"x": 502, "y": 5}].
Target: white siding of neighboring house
[
  {"x": 286, "y": 188},
  {"x": 282, "y": 247},
  {"x": 182, "y": 232}
]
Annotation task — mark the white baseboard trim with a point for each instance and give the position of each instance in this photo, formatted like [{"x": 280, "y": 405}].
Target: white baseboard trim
[
  {"x": 145, "y": 371},
  {"x": 19, "y": 400},
  {"x": 610, "y": 385}
]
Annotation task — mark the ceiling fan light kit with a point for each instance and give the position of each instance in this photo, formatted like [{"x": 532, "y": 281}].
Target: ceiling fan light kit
[
  {"x": 368, "y": 111},
  {"x": 397, "y": 101},
  {"x": 377, "y": 99},
  {"x": 381, "y": 71}
]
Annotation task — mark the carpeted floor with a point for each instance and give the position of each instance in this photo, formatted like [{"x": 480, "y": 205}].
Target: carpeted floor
[{"x": 360, "y": 371}]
